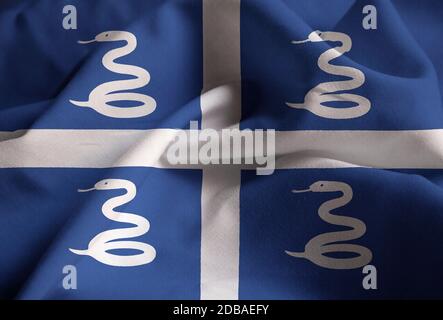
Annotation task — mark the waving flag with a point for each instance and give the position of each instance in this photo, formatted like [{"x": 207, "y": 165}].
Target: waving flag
[{"x": 117, "y": 180}]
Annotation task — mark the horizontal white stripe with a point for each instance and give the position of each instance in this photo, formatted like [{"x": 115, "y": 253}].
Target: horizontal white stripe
[
  {"x": 343, "y": 149},
  {"x": 85, "y": 148},
  {"x": 147, "y": 148}
]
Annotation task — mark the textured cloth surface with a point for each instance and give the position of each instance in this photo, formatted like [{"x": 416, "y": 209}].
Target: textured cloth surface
[{"x": 222, "y": 234}]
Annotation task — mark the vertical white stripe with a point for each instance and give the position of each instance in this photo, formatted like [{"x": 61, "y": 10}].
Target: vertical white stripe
[{"x": 221, "y": 108}]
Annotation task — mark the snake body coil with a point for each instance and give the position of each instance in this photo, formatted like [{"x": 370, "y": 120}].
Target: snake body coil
[
  {"x": 331, "y": 242},
  {"x": 102, "y": 95},
  {"x": 333, "y": 91},
  {"x": 105, "y": 241}
]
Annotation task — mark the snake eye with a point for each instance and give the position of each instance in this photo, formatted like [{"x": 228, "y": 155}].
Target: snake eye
[{"x": 322, "y": 185}]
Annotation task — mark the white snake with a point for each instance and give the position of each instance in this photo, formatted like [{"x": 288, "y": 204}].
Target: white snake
[
  {"x": 325, "y": 243},
  {"x": 105, "y": 241},
  {"x": 100, "y": 97},
  {"x": 329, "y": 91}
]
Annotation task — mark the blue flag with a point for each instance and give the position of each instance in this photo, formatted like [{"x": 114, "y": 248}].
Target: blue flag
[{"x": 221, "y": 149}]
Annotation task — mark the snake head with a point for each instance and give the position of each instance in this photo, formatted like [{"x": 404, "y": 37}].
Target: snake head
[
  {"x": 113, "y": 36},
  {"x": 107, "y": 184},
  {"x": 111, "y": 184},
  {"x": 110, "y": 36},
  {"x": 316, "y": 36},
  {"x": 319, "y": 186},
  {"x": 328, "y": 186}
]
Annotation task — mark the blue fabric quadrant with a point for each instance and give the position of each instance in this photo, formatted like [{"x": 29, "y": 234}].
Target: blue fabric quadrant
[
  {"x": 44, "y": 67},
  {"x": 399, "y": 59},
  {"x": 400, "y": 209},
  {"x": 43, "y": 216}
]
